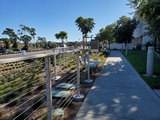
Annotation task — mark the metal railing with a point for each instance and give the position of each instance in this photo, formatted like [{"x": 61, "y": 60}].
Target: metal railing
[{"x": 27, "y": 82}]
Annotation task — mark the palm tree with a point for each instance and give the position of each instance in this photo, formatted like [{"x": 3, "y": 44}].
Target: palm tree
[
  {"x": 61, "y": 35},
  {"x": 85, "y": 25}
]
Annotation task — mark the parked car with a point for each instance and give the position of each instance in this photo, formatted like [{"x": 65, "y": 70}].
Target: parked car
[
  {"x": 3, "y": 50},
  {"x": 17, "y": 50},
  {"x": 9, "y": 51},
  {"x": 6, "y": 51}
]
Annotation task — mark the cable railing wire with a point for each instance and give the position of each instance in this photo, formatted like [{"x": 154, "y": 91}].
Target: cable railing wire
[
  {"x": 28, "y": 108},
  {"x": 38, "y": 108},
  {"x": 66, "y": 98},
  {"x": 34, "y": 111},
  {"x": 18, "y": 88},
  {"x": 69, "y": 100},
  {"x": 28, "y": 100},
  {"x": 68, "y": 80},
  {"x": 22, "y": 95},
  {"x": 21, "y": 105}
]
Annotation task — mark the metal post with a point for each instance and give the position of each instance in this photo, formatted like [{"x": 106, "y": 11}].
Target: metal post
[
  {"x": 89, "y": 80},
  {"x": 126, "y": 49},
  {"x": 88, "y": 66},
  {"x": 78, "y": 95},
  {"x": 55, "y": 70},
  {"x": 78, "y": 73},
  {"x": 150, "y": 61},
  {"x": 60, "y": 61},
  {"x": 49, "y": 88},
  {"x": 55, "y": 77},
  {"x": 65, "y": 57}
]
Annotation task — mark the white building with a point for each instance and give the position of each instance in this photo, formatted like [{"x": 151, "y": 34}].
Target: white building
[{"x": 140, "y": 35}]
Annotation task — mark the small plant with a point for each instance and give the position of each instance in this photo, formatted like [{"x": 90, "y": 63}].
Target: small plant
[
  {"x": 138, "y": 47},
  {"x": 10, "y": 96}
]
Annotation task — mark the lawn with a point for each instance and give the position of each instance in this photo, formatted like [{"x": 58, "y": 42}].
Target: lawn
[{"x": 138, "y": 61}]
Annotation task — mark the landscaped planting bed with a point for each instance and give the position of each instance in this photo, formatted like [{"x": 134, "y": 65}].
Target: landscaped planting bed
[
  {"x": 23, "y": 87},
  {"x": 21, "y": 83},
  {"x": 68, "y": 105}
]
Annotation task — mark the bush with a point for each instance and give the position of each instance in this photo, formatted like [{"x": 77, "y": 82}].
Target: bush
[
  {"x": 138, "y": 47},
  {"x": 10, "y": 96},
  {"x": 149, "y": 44}
]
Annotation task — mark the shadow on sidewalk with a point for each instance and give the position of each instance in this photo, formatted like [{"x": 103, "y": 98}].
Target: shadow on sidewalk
[{"x": 119, "y": 93}]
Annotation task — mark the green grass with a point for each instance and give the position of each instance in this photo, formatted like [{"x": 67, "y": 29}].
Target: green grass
[{"x": 138, "y": 60}]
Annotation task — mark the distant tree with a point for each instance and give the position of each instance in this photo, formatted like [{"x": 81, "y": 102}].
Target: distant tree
[
  {"x": 149, "y": 11},
  {"x": 85, "y": 25},
  {"x": 74, "y": 44},
  {"x": 25, "y": 35},
  {"x": 134, "y": 3},
  {"x": 124, "y": 30},
  {"x": 101, "y": 41},
  {"x": 26, "y": 39},
  {"x": 107, "y": 34},
  {"x": 51, "y": 44},
  {"x": 61, "y": 35},
  {"x": 32, "y": 32},
  {"x": 6, "y": 42},
  {"x": 42, "y": 42},
  {"x": 12, "y": 36}
]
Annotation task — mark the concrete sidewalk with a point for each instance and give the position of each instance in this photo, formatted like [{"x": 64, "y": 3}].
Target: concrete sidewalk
[{"x": 119, "y": 93}]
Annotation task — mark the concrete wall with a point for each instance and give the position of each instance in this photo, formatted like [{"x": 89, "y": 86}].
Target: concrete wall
[
  {"x": 120, "y": 46},
  {"x": 139, "y": 34}
]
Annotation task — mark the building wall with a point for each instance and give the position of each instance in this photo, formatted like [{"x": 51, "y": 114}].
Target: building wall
[
  {"x": 139, "y": 34},
  {"x": 120, "y": 46}
]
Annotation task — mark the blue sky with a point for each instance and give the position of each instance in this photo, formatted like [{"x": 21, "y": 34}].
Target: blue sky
[{"x": 52, "y": 16}]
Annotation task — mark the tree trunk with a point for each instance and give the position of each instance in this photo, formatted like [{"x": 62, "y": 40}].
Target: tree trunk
[
  {"x": 126, "y": 46},
  {"x": 83, "y": 42},
  {"x": 109, "y": 45},
  {"x": 35, "y": 43},
  {"x": 62, "y": 43}
]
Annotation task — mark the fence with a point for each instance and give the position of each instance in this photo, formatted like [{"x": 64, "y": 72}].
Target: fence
[
  {"x": 41, "y": 85},
  {"x": 120, "y": 46}
]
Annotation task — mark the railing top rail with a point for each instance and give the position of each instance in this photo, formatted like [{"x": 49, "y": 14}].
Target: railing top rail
[{"x": 27, "y": 56}]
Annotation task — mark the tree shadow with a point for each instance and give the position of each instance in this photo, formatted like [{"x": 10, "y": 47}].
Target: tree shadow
[{"x": 118, "y": 94}]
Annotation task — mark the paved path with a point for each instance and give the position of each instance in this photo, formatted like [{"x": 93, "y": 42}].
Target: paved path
[{"x": 119, "y": 93}]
